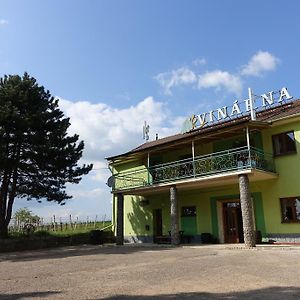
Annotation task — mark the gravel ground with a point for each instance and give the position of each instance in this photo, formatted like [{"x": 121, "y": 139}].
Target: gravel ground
[{"x": 110, "y": 272}]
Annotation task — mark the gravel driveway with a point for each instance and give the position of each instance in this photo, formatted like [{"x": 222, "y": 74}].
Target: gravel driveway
[{"x": 110, "y": 272}]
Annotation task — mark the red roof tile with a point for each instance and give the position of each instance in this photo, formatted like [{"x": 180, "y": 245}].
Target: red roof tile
[{"x": 269, "y": 115}]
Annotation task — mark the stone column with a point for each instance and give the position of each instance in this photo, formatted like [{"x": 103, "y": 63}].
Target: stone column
[
  {"x": 120, "y": 219},
  {"x": 175, "y": 239},
  {"x": 247, "y": 211}
]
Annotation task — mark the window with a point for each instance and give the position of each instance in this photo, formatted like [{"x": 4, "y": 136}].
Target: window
[
  {"x": 290, "y": 209},
  {"x": 188, "y": 211},
  {"x": 284, "y": 143}
]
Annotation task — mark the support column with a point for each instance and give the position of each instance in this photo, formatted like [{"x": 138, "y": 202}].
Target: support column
[
  {"x": 148, "y": 168},
  {"x": 193, "y": 157},
  {"x": 175, "y": 239},
  {"x": 247, "y": 211},
  {"x": 120, "y": 219}
]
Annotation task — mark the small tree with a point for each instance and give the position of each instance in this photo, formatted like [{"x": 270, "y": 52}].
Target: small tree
[
  {"x": 37, "y": 157},
  {"x": 24, "y": 215}
]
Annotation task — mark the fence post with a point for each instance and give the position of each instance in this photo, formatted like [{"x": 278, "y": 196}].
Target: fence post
[
  {"x": 71, "y": 223},
  {"x": 54, "y": 223}
]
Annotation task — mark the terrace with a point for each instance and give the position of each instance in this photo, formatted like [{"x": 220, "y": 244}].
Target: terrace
[{"x": 215, "y": 166}]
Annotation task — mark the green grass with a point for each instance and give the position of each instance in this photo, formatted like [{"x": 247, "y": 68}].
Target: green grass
[{"x": 63, "y": 231}]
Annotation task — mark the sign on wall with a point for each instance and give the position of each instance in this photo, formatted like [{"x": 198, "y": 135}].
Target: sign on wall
[{"x": 239, "y": 108}]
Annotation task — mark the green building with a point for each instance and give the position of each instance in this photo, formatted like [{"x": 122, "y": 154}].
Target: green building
[{"x": 231, "y": 177}]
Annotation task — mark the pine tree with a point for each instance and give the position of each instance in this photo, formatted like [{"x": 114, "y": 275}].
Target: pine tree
[{"x": 37, "y": 156}]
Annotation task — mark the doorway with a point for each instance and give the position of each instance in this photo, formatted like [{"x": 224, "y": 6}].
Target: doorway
[
  {"x": 233, "y": 222},
  {"x": 157, "y": 223}
]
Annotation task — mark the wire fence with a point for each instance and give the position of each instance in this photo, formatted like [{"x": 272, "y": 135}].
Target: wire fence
[{"x": 58, "y": 224}]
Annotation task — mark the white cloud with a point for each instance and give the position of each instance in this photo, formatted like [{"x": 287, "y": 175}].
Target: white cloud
[
  {"x": 107, "y": 131},
  {"x": 199, "y": 62},
  {"x": 92, "y": 193},
  {"x": 259, "y": 63},
  {"x": 100, "y": 171},
  {"x": 174, "y": 78},
  {"x": 3, "y": 22},
  {"x": 218, "y": 79}
]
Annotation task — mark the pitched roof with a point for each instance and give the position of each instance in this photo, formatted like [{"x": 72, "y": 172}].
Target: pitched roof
[{"x": 265, "y": 116}]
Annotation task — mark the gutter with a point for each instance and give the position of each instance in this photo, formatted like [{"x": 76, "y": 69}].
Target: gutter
[{"x": 284, "y": 118}]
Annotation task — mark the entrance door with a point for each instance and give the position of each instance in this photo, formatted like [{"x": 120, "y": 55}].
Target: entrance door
[
  {"x": 233, "y": 223},
  {"x": 157, "y": 223}
]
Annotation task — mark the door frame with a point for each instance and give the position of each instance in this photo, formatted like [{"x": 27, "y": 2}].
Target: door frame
[
  {"x": 238, "y": 222},
  {"x": 217, "y": 215}
]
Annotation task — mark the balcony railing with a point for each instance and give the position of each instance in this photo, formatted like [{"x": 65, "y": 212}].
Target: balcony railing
[{"x": 206, "y": 165}]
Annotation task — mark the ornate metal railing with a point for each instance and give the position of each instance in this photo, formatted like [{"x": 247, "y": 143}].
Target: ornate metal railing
[{"x": 206, "y": 165}]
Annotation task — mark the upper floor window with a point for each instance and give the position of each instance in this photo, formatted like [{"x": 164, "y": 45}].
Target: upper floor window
[
  {"x": 290, "y": 209},
  {"x": 284, "y": 143}
]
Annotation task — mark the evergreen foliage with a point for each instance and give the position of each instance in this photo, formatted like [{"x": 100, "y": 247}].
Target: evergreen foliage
[{"x": 37, "y": 156}]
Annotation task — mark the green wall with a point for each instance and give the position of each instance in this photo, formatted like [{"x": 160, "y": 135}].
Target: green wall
[
  {"x": 258, "y": 211},
  {"x": 266, "y": 194}
]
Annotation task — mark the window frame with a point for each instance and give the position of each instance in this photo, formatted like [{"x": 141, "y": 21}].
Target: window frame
[
  {"x": 294, "y": 210},
  {"x": 285, "y": 150}
]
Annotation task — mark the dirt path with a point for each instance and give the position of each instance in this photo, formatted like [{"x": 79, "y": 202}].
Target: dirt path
[{"x": 96, "y": 272}]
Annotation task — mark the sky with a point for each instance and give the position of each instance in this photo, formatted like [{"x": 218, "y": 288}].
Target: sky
[{"x": 115, "y": 64}]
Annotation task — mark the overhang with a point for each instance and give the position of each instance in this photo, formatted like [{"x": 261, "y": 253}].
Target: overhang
[{"x": 204, "y": 182}]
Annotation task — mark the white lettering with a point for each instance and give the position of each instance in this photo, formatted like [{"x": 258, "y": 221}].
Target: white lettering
[
  {"x": 235, "y": 108},
  {"x": 284, "y": 93},
  {"x": 267, "y": 99},
  {"x": 222, "y": 113},
  {"x": 211, "y": 116},
  {"x": 248, "y": 104},
  {"x": 202, "y": 119}
]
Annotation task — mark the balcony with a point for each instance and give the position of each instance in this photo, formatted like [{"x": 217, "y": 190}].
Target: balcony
[{"x": 208, "y": 166}]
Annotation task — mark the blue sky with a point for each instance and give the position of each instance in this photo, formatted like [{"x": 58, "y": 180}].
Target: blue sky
[{"x": 114, "y": 64}]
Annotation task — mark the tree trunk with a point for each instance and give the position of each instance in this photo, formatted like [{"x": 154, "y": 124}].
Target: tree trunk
[
  {"x": 11, "y": 198},
  {"x": 3, "y": 197},
  {"x": 8, "y": 193},
  {"x": 3, "y": 230}
]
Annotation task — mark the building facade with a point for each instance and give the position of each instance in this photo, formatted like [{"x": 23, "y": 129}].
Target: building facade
[{"x": 233, "y": 181}]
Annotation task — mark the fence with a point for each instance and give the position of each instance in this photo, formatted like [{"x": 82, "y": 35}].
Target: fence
[{"x": 58, "y": 224}]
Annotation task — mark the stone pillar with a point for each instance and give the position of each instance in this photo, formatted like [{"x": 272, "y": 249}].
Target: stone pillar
[
  {"x": 120, "y": 219},
  {"x": 175, "y": 239},
  {"x": 247, "y": 211}
]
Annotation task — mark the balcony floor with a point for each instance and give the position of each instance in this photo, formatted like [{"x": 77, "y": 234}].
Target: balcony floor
[{"x": 220, "y": 179}]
